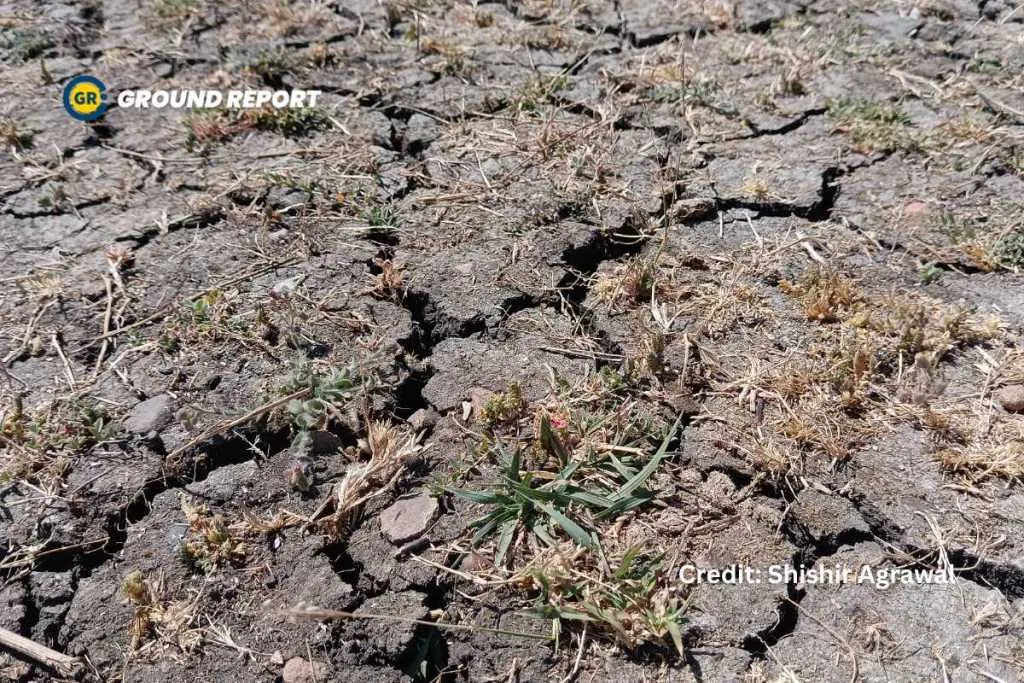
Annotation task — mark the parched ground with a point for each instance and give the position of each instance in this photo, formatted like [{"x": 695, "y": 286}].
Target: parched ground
[{"x": 446, "y": 378}]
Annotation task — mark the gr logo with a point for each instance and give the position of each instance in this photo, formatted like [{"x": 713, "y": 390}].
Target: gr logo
[{"x": 85, "y": 98}]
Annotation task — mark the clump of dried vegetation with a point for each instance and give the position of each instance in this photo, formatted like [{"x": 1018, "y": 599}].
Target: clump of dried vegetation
[
  {"x": 392, "y": 450},
  {"x": 986, "y": 247},
  {"x": 13, "y": 134},
  {"x": 40, "y": 443},
  {"x": 210, "y": 126},
  {"x": 628, "y": 282},
  {"x": 873, "y": 358},
  {"x": 160, "y": 619},
  {"x": 824, "y": 294},
  {"x": 388, "y": 282}
]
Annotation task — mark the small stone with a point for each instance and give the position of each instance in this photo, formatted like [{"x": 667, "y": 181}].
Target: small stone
[
  {"x": 1011, "y": 398},
  {"x": 151, "y": 415},
  {"x": 224, "y": 483},
  {"x": 408, "y": 518},
  {"x": 298, "y": 670},
  {"x": 474, "y": 562},
  {"x": 164, "y": 69},
  {"x": 424, "y": 418}
]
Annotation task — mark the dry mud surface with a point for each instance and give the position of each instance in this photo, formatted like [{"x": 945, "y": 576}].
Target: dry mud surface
[{"x": 781, "y": 240}]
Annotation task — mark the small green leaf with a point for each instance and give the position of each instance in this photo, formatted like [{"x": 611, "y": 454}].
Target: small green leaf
[
  {"x": 589, "y": 499},
  {"x": 541, "y": 532},
  {"x": 575, "y": 531},
  {"x": 677, "y": 636},
  {"x": 508, "y": 533},
  {"x": 485, "y": 497},
  {"x": 643, "y": 475},
  {"x": 626, "y": 472}
]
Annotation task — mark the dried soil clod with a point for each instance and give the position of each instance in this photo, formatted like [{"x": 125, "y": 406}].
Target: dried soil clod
[{"x": 1011, "y": 398}]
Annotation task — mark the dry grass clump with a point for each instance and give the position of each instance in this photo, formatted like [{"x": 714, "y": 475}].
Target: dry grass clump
[
  {"x": 283, "y": 18},
  {"x": 874, "y": 359},
  {"x": 986, "y": 240},
  {"x": 633, "y": 604},
  {"x": 713, "y": 296},
  {"x": 985, "y": 459},
  {"x": 973, "y": 438},
  {"x": 630, "y": 281},
  {"x": 449, "y": 58},
  {"x": 388, "y": 282},
  {"x": 880, "y": 362},
  {"x": 12, "y": 134},
  {"x": 168, "y": 16},
  {"x": 543, "y": 38},
  {"x": 757, "y": 187},
  {"x": 159, "y": 619},
  {"x": 392, "y": 448},
  {"x": 1010, "y": 368},
  {"x": 900, "y": 327},
  {"x": 826, "y": 295},
  {"x": 805, "y": 407},
  {"x": 208, "y": 126}
]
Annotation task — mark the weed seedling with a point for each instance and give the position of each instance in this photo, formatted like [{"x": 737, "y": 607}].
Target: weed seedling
[
  {"x": 1009, "y": 250},
  {"x": 872, "y": 127},
  {"x": 25, "y": 44},
  {"x": 504, "y": 407},
  {"x": 331, "y": 396},
  {"x": 209, "y": 543},
  {"x": 603, "y": 489}
]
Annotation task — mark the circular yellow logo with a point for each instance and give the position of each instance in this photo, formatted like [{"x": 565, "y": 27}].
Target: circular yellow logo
[{"x": 84, "y": 98}]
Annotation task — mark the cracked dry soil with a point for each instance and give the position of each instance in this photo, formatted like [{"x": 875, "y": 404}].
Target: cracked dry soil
[{"x": 793, "y": 227}]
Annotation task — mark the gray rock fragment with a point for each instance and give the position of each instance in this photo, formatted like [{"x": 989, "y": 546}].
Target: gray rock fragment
[
  {"x": 151, "y": 415},
  {"x": 408, "y": 517},
  {"x": 224, "y": 482}
]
